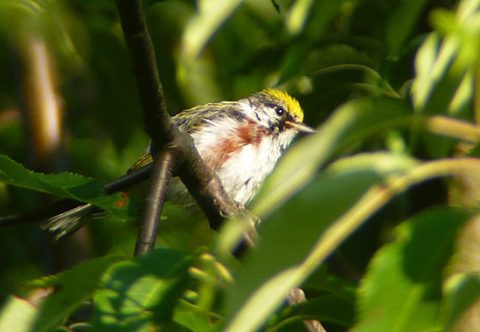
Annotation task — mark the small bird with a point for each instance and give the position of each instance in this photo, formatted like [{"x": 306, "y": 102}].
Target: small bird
[{"x": 240, "y": 140}]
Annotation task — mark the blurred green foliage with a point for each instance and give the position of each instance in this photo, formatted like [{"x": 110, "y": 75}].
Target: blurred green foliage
[{"x": 359, "y": 214}]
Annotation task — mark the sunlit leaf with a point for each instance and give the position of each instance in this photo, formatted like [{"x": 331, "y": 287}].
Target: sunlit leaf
[
  {"x": 71, "y": 289},
  {"x": 193, "y": 317},
  {"x": 17, "y": 315},
  {"x": 140, "y": 294},
  {"x": 444, "y": 58},
  {"x": 298, "y": 15},
  {"x": 402, "y": 22},
  {"x": 211, "y": 14},
  {"x": 351, "y": 123},
  {"x": 461, "y": 292},
  {"x": 298, "y": 21},
  {"x": 431, "y": 64},
  {"x": 402, "y": 290},
  {"x": 351, "y": 65},
  {"x": 280, "y": 262}
]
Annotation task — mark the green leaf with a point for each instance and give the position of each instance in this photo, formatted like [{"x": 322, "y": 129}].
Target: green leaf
[
  {"x": 194, "y": 318},
  {"x": 202, "y": 26},
  {"x": 310, "y": 18},
  {"x": 351, "y": 123},
  {"x": 71, "y": 289},
  {"x": 21, "y": 20},
  {"x": 299, "y": 13},
  {"x": 444, "y": 63},
  {"x": 430, "y": 68},
  {"x": 13, "y": 12},
  {"x": 276, "y": 5},
  {"x": 286, "y": 254},
  {"x": 402, "y": 289},
  {"x": 67, "y": 185},
  {"x": 141, "y": 294},
  {"x": 461, "y": 292},
  {"x": 402, "y": 23},
  {"x": 445, "y": 67},
  {"x": 17, "y": 315}
]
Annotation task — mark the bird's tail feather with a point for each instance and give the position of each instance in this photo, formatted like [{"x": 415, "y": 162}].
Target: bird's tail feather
[{"x": 69, "y": 221}]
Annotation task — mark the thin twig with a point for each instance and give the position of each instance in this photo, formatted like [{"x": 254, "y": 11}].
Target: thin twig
[
  {"x": 159, "y": 184},
  {"x": 131, "y": 178},
  {"x": 297, "y": 296}
]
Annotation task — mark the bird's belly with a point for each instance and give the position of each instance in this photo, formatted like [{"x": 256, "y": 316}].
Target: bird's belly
[{"x": 243, "y": 172}]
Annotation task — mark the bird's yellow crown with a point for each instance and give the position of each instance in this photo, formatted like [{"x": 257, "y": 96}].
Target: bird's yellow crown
[{"x": 292, "y": 104}]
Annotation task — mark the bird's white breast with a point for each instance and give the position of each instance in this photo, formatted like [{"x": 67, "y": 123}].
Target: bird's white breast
[{"x": 241, "y": 167}]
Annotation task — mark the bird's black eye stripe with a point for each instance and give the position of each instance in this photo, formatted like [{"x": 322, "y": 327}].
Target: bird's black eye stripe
[{"x": 279, "y": 110}]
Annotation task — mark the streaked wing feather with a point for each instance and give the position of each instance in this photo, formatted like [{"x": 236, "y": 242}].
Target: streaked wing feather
[
  {"x": 192, "y": 120},
  {"x": 144, "y": 160}
]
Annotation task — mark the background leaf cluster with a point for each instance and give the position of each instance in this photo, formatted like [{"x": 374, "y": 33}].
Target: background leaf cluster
[{"x": 375, "y": 216}]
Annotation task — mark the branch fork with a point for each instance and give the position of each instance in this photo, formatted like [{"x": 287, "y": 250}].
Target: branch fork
[{"x": 174, "y": 151}]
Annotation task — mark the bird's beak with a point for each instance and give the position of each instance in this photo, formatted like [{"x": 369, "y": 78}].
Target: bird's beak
[{"x": 301, "y": 127}]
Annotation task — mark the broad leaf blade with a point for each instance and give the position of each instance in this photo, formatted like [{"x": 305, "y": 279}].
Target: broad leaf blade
[
  {"x": 17, "y": 315},
  {"x": 462, "y": 292},
  {"x": 194, "y": 317},
  {"x": 139, "y": 295},
  {"x": 204, "y": 24},
  {"x": 405, "y": 16},
  {"x": 71, "y": 289},
  {"x": 351, "y": 123},
  {"x": 289, "y": 237},
  {"x": 402, "y": 290},
  {"x": 67, "y": 185}
]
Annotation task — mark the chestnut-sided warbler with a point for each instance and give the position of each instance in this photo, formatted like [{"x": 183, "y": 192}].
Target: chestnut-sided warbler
[{"x": 240, "y": 140}]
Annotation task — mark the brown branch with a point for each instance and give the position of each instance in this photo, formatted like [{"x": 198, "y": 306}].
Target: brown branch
[
  {"x": 159, "y": 184},
  {"x": 202, "y": 183},
  {"x": 156, "y": 119}
]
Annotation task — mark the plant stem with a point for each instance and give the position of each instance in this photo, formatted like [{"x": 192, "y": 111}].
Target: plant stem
[{"x": 162, "y": 172}]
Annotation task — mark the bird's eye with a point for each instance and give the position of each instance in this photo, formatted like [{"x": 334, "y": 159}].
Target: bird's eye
[{"x": 279, "y": 110}]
